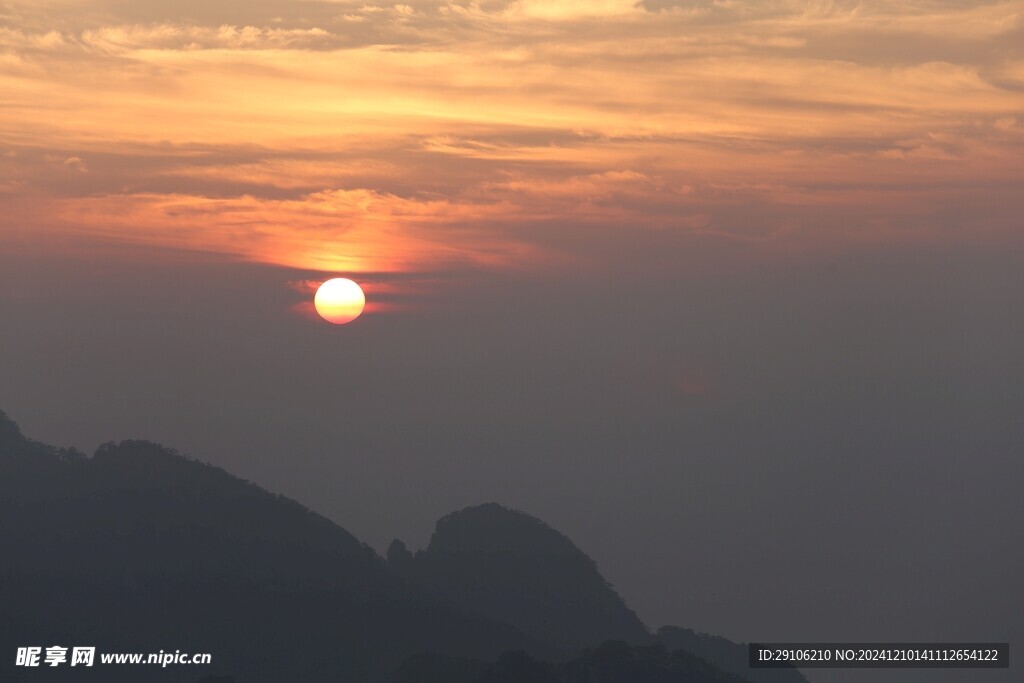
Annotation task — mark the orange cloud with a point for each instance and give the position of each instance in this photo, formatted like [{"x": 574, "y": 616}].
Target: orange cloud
[
  {"x": 351, "y": 231},
  {"x": 361, "y": 137}
]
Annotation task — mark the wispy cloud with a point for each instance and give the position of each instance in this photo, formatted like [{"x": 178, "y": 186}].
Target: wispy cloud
[{"x": 366, "y": 136}]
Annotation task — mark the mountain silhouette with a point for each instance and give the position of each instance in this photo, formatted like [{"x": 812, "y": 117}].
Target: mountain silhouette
[
  {"x": 138, "y": 549},
  {"x": 727, "y": 655},
  {"x": 514, "y": 568},
  {"x": 611, "y": 662}
]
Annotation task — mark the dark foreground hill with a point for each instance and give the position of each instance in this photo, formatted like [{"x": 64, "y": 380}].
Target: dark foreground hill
[
  {"x": 138, "y": 549},
  {"x": 611, "y": 662},
  {"x": 727, "y": 655},
  {"x": 514, "y": 568}
]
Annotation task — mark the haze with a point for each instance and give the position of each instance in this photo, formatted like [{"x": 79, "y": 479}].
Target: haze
[{"x": 729, "y": 292}]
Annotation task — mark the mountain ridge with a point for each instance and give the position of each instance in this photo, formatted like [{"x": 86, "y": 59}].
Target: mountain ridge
[
  {"x": 139, "y": 548},
  {"x": 513, "y": 567}
]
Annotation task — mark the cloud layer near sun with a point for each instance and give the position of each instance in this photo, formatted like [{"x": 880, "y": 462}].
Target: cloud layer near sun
[{"x": 360, "y": 137}]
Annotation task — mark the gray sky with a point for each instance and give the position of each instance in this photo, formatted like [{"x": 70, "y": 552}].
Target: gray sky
[{"x": 798, "y": 449}]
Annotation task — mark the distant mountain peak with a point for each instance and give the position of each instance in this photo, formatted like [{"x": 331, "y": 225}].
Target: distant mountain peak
[
  {"x": 6, "y": 423},
  {"x": 10, "y": 433},
  {"x": 512, "y": 567},
  {"x": 491, "y": 527}
]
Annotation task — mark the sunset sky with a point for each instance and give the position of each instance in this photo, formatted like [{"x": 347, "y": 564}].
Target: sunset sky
[
  {"x": 396, "y": 138},
  {"x": 647, "y": 270}
]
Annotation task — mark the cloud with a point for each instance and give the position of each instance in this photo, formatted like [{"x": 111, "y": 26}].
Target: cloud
[
  {"x": 344, "y": 230},
  {"x": 571, "y": 9},
  {"x": 489, "y": 132},
  {"x": 77, "y": 164}
]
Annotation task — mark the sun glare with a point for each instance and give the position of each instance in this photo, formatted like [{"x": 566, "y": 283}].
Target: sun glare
[{"x": 339, "y": 300}]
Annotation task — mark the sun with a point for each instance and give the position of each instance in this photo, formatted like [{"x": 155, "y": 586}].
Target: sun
[{"x": 339, "y": 300}]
